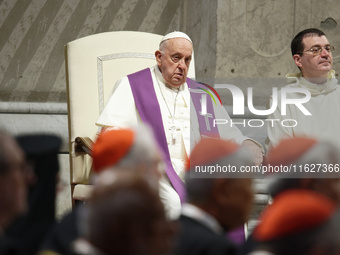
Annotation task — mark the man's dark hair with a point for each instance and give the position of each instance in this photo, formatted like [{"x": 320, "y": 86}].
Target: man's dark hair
[{"x": 297, "y": 46}]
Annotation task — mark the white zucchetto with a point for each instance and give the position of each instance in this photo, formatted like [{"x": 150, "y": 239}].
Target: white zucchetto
[{"x": 175, "y": 34}]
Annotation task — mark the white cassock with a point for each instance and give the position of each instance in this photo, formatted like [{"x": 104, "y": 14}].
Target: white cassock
[
  {"x": 180, "y": 129},
  {"x": 324, "y": 105}
]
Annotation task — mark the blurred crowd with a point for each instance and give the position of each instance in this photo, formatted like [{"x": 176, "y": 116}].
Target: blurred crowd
[{"x": 125, "y": 214}]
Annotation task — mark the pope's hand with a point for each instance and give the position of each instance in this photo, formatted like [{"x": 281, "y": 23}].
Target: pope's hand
[{"x": 255, "y": 151}]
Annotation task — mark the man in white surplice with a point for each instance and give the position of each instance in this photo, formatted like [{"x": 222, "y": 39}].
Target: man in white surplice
[
  {"x": 312, "y": 54},
  {"x": 173, "y": 96}
]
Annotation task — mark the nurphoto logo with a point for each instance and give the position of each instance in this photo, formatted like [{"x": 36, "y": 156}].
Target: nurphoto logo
[{"x": 238, "y": 96}]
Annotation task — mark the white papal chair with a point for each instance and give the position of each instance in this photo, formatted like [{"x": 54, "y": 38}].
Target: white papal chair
[{"x": 93, "y": 65}]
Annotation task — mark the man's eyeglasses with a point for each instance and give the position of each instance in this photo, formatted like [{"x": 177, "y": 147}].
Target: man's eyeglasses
[{"x": 315, "y": 50}]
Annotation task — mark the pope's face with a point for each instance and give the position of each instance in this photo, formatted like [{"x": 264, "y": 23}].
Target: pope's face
[
  {"x": 314, "y": 66},
  {"x": 174, "y": 61}
]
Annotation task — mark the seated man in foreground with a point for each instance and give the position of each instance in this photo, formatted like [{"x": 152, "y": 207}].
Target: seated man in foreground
[
  {"x": 160, "y": 97},
  {"x": 217, "y": 203}
]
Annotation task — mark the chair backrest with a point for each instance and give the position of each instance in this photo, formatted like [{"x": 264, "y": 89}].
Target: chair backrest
[{"x": 93, "y": 65}]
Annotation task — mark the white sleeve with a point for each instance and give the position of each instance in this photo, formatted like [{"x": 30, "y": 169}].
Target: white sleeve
[
  {"x": 275, "y": 130},
  {"x": 120, "y": 110},
  {"x": 227, "y": 131}
]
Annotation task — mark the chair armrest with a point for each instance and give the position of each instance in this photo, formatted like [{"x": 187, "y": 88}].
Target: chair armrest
[{"x": 83, "y": 145}]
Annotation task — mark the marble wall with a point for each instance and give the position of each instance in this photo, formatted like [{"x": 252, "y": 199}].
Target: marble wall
[
  {"x": 232, "y": 38},
  {"x": 34, "y": 32},
  {"x": 254, "y": 36}
]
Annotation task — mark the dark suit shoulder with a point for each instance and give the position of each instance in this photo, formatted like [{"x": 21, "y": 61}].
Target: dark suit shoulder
[{"x": 197, "y": 239}]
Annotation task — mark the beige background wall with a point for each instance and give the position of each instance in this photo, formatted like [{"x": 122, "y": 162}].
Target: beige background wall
[
  {"x": 254, "y": 36},
  {"x": 242, "y": 42},
  {"x": 233, "y": 38}
]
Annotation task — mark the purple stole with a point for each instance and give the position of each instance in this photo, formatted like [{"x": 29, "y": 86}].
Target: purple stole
[{"x": 149, "y": 110}]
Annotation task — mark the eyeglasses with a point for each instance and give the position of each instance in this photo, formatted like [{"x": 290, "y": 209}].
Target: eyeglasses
[{"x": 315, "y": 50}]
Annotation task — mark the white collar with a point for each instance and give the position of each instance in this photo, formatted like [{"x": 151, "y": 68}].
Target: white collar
[
  {"x": 203, "y": 217},
  {"x": 297, "y": 79}
]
